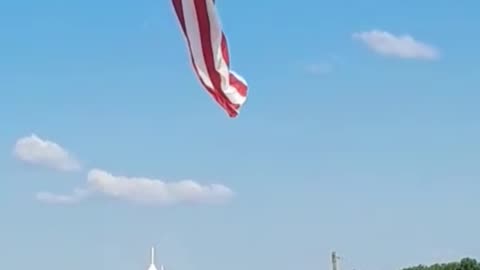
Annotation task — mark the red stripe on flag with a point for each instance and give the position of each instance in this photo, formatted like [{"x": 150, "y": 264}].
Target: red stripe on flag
[{"x": 204, "y": 28}]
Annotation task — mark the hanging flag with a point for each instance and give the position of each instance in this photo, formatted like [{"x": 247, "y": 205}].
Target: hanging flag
[{"x": 208, "y": 49}]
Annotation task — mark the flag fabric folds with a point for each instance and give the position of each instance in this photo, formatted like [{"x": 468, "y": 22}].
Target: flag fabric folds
[{"x": 208, "y": 49}]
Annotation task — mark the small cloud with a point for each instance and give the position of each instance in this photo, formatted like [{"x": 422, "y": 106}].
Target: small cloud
[
  {"x": 142, "y": 190},
  {"x": 154, "y": 191},
  {"x": 403, "y": 46},
  {"x": 76, "y": 196},
  {"x": 319, "y": 68},
  {"x": 37, "y": 151}
]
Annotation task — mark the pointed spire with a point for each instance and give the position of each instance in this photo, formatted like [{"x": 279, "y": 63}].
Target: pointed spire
[
  {"x": 152, "y": 260},
  {"x": 153, "y": 256}
]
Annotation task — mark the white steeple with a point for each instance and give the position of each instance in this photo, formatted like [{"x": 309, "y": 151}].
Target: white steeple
[{"x": 152, "y": 261}]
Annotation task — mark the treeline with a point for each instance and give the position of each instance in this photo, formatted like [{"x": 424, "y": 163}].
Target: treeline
[{"x": 464, "y": 264}]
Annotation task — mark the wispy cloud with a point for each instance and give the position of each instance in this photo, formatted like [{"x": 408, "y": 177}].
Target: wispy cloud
[
  {"x": 34, "y": 150},
  {"x": 319, "y": 68},
  {"x": 401, "y": 46},
  {"x": 51, "y": 198},
  {"x": 141, "y": 190},
  {"x": 155, "y": 191},
  {"x": 37, "y": 151}
]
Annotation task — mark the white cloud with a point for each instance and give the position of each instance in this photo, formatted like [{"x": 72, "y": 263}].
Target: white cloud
[
  {"x": 403, "y": 46},
  {"x": 34, "y": 150},
  {"x": 141, "y": 190},
  {"x": 37, "y": 151},
  {"x": 319, "y": 68},
  {"x": 154, "y": 191},
  {"x": 76, "y": 196}
]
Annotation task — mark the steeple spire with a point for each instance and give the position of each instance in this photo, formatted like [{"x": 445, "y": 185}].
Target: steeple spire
[
  {"x": 153, "y": 256},
  {"x": 152, "y": 260}
]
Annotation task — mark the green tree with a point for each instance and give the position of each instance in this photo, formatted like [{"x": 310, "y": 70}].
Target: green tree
[{"x": 464, "y": 264}]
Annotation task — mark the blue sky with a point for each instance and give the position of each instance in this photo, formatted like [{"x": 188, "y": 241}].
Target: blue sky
[{"x": 339, "y": 146}]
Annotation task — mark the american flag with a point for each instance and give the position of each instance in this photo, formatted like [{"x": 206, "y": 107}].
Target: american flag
[{"x": 208, "y": 49}]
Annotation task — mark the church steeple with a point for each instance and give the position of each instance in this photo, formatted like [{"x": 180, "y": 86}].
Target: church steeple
[{"x": 152, "y": 260}]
